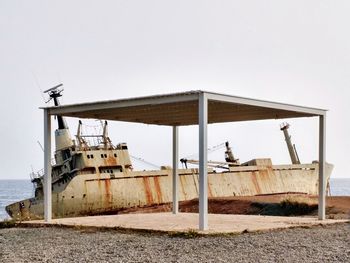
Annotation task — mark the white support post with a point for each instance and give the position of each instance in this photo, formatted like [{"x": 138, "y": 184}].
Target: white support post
[
  {"x": 47, "y": 167},
  {"x": 203, "y": 175},
  {"x": 322, "y": 168},
  {"x": 175, "y": 169}
]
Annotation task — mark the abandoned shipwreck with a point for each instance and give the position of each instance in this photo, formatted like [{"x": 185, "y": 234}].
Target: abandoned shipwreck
[{"x": 91, "y": 179}]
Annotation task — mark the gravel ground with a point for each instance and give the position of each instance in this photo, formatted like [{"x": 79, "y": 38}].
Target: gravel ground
[{"x": 317, "y": 244}]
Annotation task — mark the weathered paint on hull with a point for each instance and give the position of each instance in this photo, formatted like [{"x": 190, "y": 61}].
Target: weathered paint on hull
[{"x": 88, "y": 194}]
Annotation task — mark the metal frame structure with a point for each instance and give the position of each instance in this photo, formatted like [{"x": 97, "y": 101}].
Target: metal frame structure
[{"x": 179, "y": 109}]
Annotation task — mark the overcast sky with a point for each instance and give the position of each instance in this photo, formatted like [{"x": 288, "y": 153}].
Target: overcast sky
[{"x": 296, "y": 52}]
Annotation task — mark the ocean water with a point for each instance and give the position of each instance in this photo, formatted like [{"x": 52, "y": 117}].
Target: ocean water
[
  {"x": 340, "y": 186},
  {"x": 16, "y": 190},
  {"x": 12, "y": 191}
]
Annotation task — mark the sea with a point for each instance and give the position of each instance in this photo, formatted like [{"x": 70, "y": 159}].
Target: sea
[{"x": 16, "y": 190}]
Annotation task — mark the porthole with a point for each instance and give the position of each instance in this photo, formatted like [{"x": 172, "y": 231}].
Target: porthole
[
  {"x": 101, "y": 155},
  {"x": 105, "y": 155},
  {"x": 88, "y": 156}
]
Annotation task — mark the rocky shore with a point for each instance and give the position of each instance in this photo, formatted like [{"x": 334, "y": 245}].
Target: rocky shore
[{"x": 52, "y": 244}]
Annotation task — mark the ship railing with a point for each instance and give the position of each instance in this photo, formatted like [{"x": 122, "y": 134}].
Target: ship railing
[
  {"x": 37, "y": 175},
  {"x": 310, "y": 166},
  {"x": 93, "y": 142},
  {"x": 40, "y": 174}
]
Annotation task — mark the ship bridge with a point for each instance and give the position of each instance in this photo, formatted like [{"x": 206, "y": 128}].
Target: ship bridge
[{"x": 180, "y": 109}]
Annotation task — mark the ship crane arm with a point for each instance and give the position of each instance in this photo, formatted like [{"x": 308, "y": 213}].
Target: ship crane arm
[
  {"x": 229, "y": 158},
  {"x": 223, "y": 165},
  {"x": 144, "y": 161}
]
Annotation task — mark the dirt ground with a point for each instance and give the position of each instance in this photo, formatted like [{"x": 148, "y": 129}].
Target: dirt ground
[{"x": 338, "y": 207}]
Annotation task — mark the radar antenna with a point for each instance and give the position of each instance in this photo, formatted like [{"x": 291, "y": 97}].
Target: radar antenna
[{"x": 54, "y": 94}]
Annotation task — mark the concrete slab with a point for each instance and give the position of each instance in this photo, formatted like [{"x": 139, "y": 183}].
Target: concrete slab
[{"x": 184, "y": 222}]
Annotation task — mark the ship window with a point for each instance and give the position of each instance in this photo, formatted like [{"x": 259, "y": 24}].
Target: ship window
[
  {"x": 88, "y": 170},
  {"x": 105, "y": 155},
  {"x": 111, "y": 169},
  {"x": 66, "y": 154},
  {"x": 124, "y": 147},
  {"x": 88, "y": 156},
  {"x": 101, "y": 155},
  {"x": 72, "y": 196},
  {"x": 84, "y": 195},
  {"x": 92, "y": 156},
  {"x": 115, "y": 155}
]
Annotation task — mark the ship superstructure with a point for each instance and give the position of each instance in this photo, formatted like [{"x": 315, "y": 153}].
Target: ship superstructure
[{"x": 79, "y": 157}]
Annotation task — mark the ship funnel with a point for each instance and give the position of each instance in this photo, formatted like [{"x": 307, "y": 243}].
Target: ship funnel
[
  {"x": 63, "y": 139},
  {"x": 291, "y": 148}
]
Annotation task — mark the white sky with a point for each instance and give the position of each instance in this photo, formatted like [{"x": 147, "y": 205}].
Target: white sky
[{"x": 288, "y": 51}]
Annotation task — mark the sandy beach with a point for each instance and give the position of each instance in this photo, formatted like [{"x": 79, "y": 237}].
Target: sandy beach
[{"x": 51, "y": 244}]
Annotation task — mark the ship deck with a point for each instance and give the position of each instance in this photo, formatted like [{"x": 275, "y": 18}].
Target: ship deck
[{"x": 187, "y": 222}]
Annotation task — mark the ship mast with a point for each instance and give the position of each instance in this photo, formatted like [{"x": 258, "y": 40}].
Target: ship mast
[
  {"x": 229, "y": 157},
  {"x": 54, "y": 94},
  {"x": 62, "y": 135},
  {"x": 291, "y": 147}
]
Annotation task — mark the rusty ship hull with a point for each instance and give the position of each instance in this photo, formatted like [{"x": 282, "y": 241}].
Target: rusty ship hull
[{"x": 93, "y": 194}]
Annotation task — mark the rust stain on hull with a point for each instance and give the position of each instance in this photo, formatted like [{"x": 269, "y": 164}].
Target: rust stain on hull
[
  {"x": 108, "y": 194},
  {"x": 158, "y": 190},
  {"x": 182, "y": 183},
  {"x": 210, "y": 194},
  {"x": 255, "y": 182},
  {"x": 110, "y": 161},
  {"x": 148, "y": 190}
]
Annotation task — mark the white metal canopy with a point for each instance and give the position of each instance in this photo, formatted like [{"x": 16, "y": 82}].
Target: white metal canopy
[{"x": 179, "y": 109}]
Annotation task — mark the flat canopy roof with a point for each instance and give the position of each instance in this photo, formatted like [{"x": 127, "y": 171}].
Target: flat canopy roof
[{"x": 179, "y": 109}]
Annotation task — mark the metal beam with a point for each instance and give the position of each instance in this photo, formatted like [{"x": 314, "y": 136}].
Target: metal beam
[
  {"x": 185, "y": 115},
  {"x": 265, "y": 104},
  {"x": 47, "y": 167},
  {"x": 322, "y": 167},
  {"x": 203, "y": 173},
  {"x": 175, "y": 169},
  {"x": 113, "y": 104}
]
